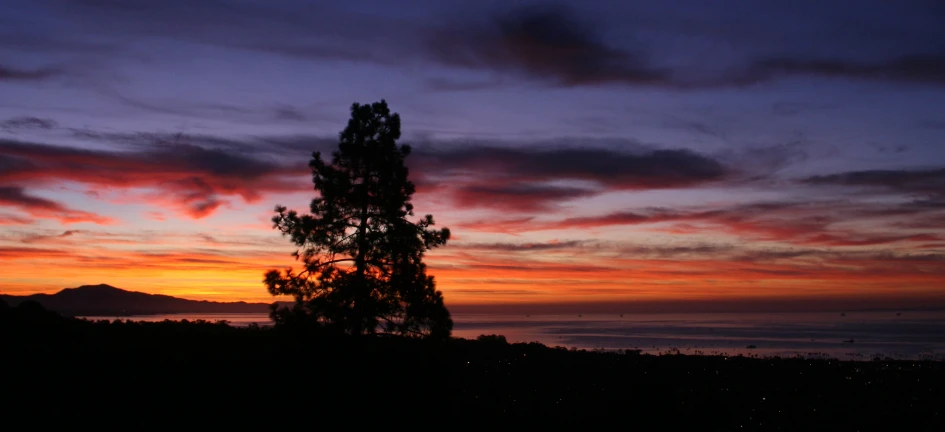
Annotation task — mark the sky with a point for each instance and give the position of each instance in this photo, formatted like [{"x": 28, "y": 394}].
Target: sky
[{"x": 584, "y": 153}]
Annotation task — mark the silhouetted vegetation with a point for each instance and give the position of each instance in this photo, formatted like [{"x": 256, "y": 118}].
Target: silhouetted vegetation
[
  {"x": 187, "y": 372},
  {"x": 362, "y": 259}
]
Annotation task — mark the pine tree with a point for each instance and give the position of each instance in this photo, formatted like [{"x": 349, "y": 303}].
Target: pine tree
[{"x": 362, "y": 259}]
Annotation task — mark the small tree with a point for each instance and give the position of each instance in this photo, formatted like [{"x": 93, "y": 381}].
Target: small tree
[{"x": 362, "y": 258}]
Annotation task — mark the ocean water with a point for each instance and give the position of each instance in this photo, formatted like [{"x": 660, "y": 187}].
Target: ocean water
[{"x": 857, "y": 335}]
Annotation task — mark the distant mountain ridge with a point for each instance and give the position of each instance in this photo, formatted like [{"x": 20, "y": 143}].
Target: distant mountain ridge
[{"x": 106, "y": 300}]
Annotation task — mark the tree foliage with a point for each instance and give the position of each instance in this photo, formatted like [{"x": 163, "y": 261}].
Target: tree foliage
[{"x": 362, "y": 259}]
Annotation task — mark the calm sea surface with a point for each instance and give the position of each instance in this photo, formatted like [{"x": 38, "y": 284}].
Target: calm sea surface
[{"x": 858, "y": 335}]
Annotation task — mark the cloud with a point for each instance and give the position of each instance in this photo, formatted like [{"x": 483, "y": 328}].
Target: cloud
[
  {"x": 583, "y": 247},
  {"x": 619, "y": 255},
  {"x": 43, "y": 208},
  {"x": 63, "y": 237},
  {"x": 12, "y": 74},
  {"x": 701, "y": 251},
  {"x": 26, "y": 123},
  {"x": 493, "y": 292},
  {"x": 687, "y": 271},
  {"x": 511, "y": 226},
  {"x": 553, "y": 43},
  {"x": 868, "y": 240},
  {"x": 800, "y": 223},
  {"x": 924, "y": 69},
  {"x": 522, "y": 179},
  {"x": 896, "y": 149},
  {"x": 200, "y": 174},
  {"x": 549, "y": 43},
  {"x": 263, "y": 114},
  {"x": 521, "y": 247},
  {"x": 287, "y": 28},
  {"x": 923, "y": 223},
  {"x": 794, "y": 108},
  {"x": 448, "y": 84},
  {"x": 929, "y": 182},
  {"x": 289, "y": 113},
  {"x": 7, "y": 219},
  {"x": 266, "y": 148},
  {"x": 144, "y": 261},
  {"x": 516, "y": 197},
  {"x": 194, "y": 179},
  {"x": 21, "y": 253}
]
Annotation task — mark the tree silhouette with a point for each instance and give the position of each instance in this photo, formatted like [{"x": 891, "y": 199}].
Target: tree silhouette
[{"x": 362, "y": 258}]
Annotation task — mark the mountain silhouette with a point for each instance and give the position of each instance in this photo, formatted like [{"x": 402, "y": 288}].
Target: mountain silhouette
[{"x": 106, "y": 300}]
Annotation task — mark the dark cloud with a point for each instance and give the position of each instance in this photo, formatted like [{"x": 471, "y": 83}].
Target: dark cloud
[
  {"x": 929, "y": 182},
  {"x": 199, "y": 197},
  {"x": 925, "y": 69},
  {"x": 834, "y": 255},
  {"x": 511, "y": 178},
  {"x": 516, "y": 196},
  {"x": 531, "y": 267},
  {"x": 289, "y": 113},
  {"x": 494, "y": 292},
  {"x": 702, "y": 251},
  {"x": 521, "y": 247},
  {"x": 771, "y": 255},
  {"x": 846, "y": 239},
  {"x": 757, "y": 163},
  {"x": 12, "y": 196},
  {"x": 794, "y": 108},
  {"x": 447, "y": 84},
  {"x": 37, "y": 237},
  {"x": 633, "y": 251},
  {"x": 196, "y": 179},
  {"x": 890, "y": 149},
  {"x": 282, "y": 148},
  {"x": 17, "y": 197},
  {"x": 554, "y": 44},
  {"x": 25, "y": 123},
  {"x": 547, "y": 42},
  {"x": 12, "y": 74},
  {"x": 199, "y": 110}
]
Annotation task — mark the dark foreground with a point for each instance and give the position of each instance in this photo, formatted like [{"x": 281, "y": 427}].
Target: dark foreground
[{"x": 184, "y": 375}]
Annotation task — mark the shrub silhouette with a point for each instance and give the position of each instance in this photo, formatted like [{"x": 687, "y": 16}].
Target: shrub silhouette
[{"x": 362, "y": 259}]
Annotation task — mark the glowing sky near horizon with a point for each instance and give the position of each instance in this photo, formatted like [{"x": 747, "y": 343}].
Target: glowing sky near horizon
[{"x": 584, "y": 151}]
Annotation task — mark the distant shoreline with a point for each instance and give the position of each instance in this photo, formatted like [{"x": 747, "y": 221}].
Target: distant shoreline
[{"x": 856, "y": 336}]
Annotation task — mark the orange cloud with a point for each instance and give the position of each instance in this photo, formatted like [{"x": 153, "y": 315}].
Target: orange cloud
[{"x": 43, "y": 208}]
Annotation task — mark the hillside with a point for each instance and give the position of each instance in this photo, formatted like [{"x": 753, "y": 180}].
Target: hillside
[{"x": 88, "y": 300}]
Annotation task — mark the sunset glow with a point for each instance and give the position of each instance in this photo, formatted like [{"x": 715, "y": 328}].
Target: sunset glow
[{"x": 145, "y": 146}]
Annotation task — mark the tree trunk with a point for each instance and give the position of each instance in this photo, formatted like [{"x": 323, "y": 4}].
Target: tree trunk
[{"x": 360, "y": 285}]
